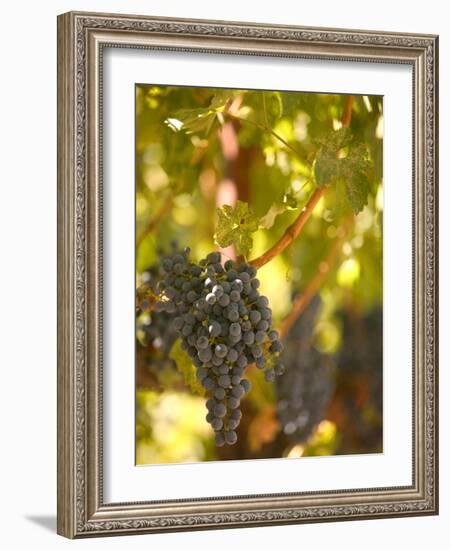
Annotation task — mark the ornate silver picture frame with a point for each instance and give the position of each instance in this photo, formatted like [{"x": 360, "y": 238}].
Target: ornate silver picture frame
[{"x": 82, "y": 38}]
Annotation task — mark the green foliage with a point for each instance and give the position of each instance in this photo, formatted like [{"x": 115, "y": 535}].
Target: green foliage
[
  {"x": 187, "y": 369},
  {"x": 235, "y": 226},
  {"x": 200, "y": 120},
  {"x": 339, "y": 158}
]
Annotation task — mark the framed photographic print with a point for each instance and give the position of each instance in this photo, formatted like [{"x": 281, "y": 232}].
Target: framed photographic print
[{"x": 247, "y": 284}]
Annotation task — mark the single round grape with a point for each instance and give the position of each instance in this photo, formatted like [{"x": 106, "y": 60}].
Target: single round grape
[
  {"x": 238, "y": 371},
  {"x": 233, "y": 315},
  {"x": 246, "y": 326},
  {"x": 205, "y": 355},
  {"x": 236, "y": 414},
  {"x": 235, "y": 329},
  {"x": 235, "y": 296},
  {"x": 245, "y": 277},
  {"x": 230, "y": 437},
  {"x": 213, "y": 257},
  {"x": 246, "y": 385},
  {"x": 266, "y": 314},
  {"x": 262, "y": 325},
  {"x": 257, "y": 351},
  {"x": 208, "y": 383},
  {"x": 229, "y": 264},
  {"x": 210, "y": 404},
  {"x": 260, "y": 336},
  {"x": 226, "y": 287},
  {"x": 242, "y": 361},
  {"x": 178, "y": 258},
  {"x": 223, "y": 369},
  {"x": 238, "y": 391},
  {"x": 280, "y": 369},
  {"x": 232, "y": 355},
  {"x": 217, "y": 290},
  {"x": 253, "y": 295},
  {"x": 237, "y": 285},
  {"x": 255, "y": 283},
  {"x": 186, "y": 330},
  {"x": 221, "y": 350},
  {"x": 260, "y": 362},
  {"x": 224, "y": 380},
  {"x": 211, "y": 299},
  {"x": 239, "y": 347},
  {"x": 273, "y": 335},
  {"x": 224, "y": 300},
  {"x": 219, "y": 439},
  {"x": 233, "y": 402},
  {"x": 217, "y": 361},
  {"x": 219, "y": 394},
  {"x": 276, "y": 346},
  {"x": 235, "y": 379},
  {"x": 178, "y": 269},
  {"x": 243, "y": 311},
  {"x": 232, "y": 275},
  {"x": 220, "y": 410},
  {"x": 216, "y": 424},
  {"x": 269, "y": 375},
  {"x": 202, "y": 342},
  {"x": 209, "y": 416},
  {"x": 249, "y": 337},
  {"x": 178, "y": 323},
  {"x": 232, "y": 423},
  {"x": 202, "y": 373},
  {"x": 214, "y": 329},
  {"x": 167, "y": 264}
]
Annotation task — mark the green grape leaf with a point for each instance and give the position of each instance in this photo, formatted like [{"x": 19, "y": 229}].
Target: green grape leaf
[
  {"x": 235, "y": 226},
  {"x": 340, "y": 159},
  {"x": 187, "y": 369},
  {"x": 326, "y": 166},
  {"x": 354, "y": 171},
  {"x": 193, "y": 121}
]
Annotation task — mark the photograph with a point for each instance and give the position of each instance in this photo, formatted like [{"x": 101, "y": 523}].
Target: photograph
[{"x": 259, "y": 274}]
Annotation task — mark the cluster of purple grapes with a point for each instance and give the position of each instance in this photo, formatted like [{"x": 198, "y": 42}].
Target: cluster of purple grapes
[
  {"x": 304, "y": 393},
  {"x": 225, "y": 325}
]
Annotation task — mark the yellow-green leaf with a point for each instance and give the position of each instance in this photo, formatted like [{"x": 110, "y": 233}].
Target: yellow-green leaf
[{"x": 187, "y": 369}]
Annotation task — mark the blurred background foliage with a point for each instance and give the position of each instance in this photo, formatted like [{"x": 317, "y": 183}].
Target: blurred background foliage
[{"x": 200, "y": 148}]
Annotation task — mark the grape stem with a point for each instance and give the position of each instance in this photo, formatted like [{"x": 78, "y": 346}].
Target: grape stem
[
  {"x": 302, "y": 300},
  {"x": 293, "y": 231}
]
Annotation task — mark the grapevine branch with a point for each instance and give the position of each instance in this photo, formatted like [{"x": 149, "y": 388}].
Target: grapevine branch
[{"x": 293, "y": 231}]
